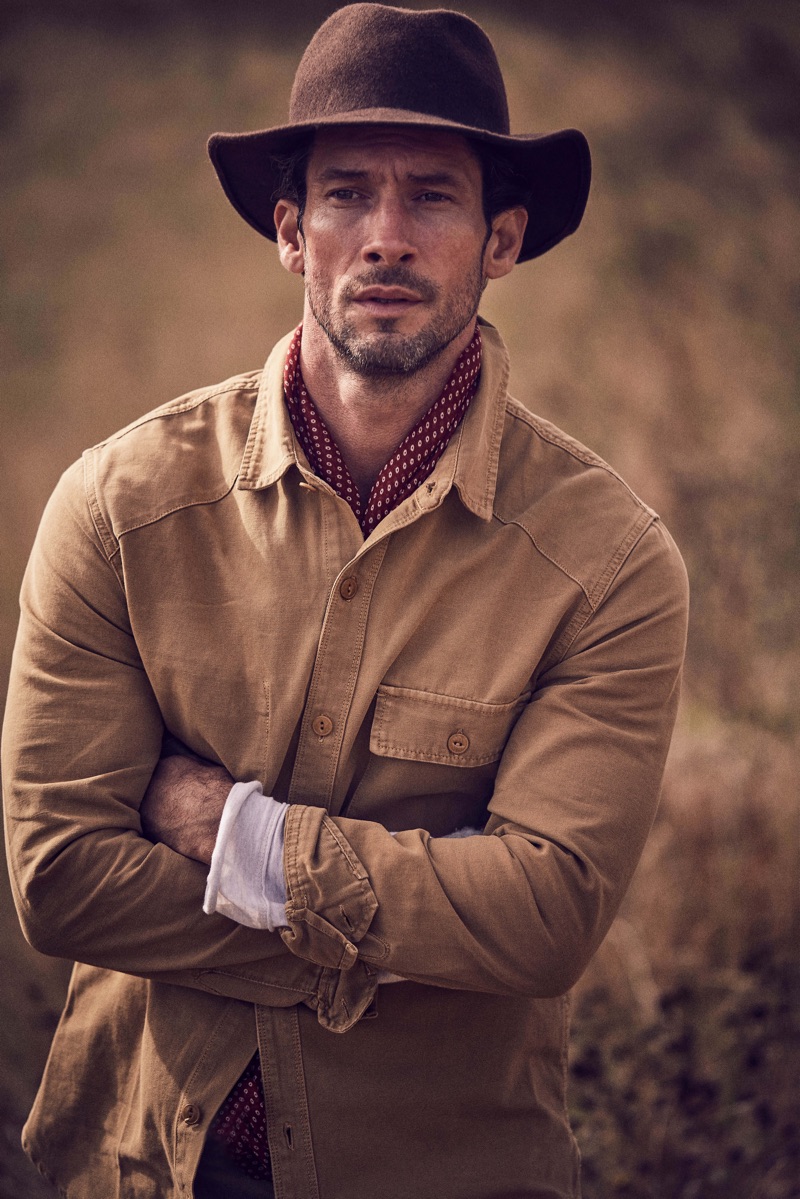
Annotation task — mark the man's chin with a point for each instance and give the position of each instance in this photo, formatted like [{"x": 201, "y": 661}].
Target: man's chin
[
  {"x": 390, "y": 349},
  {"x": 383, "y": 354}
]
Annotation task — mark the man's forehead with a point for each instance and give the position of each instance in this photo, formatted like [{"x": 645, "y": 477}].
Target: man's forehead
[{"x": 360, "y": 145}]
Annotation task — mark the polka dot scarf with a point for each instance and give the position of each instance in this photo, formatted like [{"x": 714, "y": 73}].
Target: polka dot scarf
[
  {"x": 240, "y": 1125},
  {"x": 414, "y": 458}
]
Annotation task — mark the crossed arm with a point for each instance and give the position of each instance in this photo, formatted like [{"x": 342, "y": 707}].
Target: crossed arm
[
  {"x": 196, "y": 808},
  {"x": 183, "y": 803}
]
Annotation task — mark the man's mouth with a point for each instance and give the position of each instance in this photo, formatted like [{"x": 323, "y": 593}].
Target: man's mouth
[{"x": 386, "y": 297}]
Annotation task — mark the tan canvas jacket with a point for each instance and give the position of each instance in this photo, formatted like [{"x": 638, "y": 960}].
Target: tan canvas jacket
[{"x": 503, "y": 649}]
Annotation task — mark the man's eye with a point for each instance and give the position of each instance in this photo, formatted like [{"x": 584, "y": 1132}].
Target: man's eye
[
  {"x": 344, "y": 193},
  {"x": 434, "y": 197}
]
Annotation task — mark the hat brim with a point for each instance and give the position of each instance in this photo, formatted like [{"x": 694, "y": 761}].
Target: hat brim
[{"x": 556, "y": 167}]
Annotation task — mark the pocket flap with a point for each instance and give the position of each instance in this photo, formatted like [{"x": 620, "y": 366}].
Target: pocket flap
[{"x": 423, "y": 726}]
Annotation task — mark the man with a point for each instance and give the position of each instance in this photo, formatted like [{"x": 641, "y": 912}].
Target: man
[{"x": 373, "y": 602}]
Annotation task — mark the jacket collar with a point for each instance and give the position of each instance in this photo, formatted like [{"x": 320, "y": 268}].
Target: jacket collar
[{"x": 469, "y": 463}]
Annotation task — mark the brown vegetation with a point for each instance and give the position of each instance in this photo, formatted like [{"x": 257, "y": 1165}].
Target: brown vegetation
[{"x": 663, "y": 335}]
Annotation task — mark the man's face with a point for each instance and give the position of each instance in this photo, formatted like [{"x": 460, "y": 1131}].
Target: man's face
[{"x": 393, "y": 244}]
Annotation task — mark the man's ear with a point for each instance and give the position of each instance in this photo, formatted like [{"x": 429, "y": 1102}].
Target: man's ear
[
  {"x": 505, "y": 242},
  {"x": 291, "y": 248}
]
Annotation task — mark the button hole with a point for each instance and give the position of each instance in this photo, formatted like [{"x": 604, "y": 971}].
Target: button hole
[
  {"x": 289, "y": 1135},
  {"x": 346, "y": 919},
  {"x": 372, "y": 1011}
]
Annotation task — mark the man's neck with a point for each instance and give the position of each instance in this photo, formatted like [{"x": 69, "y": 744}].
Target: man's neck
[{"x": 368, "y": 417}]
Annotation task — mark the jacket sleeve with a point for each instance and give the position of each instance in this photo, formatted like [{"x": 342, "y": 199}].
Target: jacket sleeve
[
  {"x": 81, "y": 737},
  {"x": 522, "y": 908}
]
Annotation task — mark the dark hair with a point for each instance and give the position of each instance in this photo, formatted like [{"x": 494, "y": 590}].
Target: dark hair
[
  {"x": 503, "y": 186},
  {"x": 291, "y": 174}
]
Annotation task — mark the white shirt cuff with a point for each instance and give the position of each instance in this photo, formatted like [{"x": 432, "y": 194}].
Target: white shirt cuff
[{"x": 245, "y": 880}]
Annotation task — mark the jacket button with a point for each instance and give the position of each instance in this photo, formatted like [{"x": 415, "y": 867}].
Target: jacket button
[
  {"x": 190, "y": 1114},
  {"x": 458, "y": 743},
  {"x": 322, "y": 725},
  {"x": 348, "y": 587}
]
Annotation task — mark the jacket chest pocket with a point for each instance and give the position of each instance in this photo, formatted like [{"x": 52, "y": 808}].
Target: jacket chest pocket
[{"x": 423, "y": 726}]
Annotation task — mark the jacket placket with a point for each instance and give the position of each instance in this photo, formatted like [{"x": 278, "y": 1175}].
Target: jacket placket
[
  {"x": 345, "y": 993},
  {"x": 288, "y": 1125}
]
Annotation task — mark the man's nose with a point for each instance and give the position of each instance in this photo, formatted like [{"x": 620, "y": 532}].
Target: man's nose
[{"x": 389, "y": 237}]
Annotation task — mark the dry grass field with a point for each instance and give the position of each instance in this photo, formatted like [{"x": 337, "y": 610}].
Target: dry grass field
[{"x": 664, "y": 335}]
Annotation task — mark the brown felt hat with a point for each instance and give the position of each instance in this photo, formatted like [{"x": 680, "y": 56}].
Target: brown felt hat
[{"x": 370, "y": 64}]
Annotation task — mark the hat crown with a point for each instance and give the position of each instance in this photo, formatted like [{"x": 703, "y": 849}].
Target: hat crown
[{"x": 370, "y": 56}]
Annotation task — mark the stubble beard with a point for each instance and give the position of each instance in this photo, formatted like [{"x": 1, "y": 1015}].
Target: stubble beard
[{"x": 385, "y": 353}]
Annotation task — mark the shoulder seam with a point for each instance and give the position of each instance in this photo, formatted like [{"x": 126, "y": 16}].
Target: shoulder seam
[
  {"x": 518, "y": 412},
  {"x": 594, "y": 594},
  {"x": 214, "y": 498},
  {"x": 176, "y": 407},
  {"x": 560, "y": 566},
  {"x": 107, "y": 539}
]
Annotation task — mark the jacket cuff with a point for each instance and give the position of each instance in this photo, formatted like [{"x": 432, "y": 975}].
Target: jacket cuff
[
  {"x": 343, "y": 997},
  {"x": 330, "y": 902}
]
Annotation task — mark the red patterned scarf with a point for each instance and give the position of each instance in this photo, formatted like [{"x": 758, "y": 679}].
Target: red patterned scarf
[{"x": 414, "y": 458}]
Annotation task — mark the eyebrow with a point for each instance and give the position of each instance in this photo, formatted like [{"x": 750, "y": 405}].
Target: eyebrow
[
  {"x": 331, "y": 173},
  {"x": 431, "y": 179},
  {"x": 437, "y": 179}
]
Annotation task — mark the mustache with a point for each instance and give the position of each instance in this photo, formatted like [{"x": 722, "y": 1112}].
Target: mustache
[{"x": 392, "y": 276}]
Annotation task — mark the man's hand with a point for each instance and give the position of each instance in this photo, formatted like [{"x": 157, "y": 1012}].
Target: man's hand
[{"x": 183, "y": 805}]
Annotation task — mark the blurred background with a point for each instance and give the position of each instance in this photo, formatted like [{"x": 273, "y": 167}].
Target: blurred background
[{"x": 664, "y": 335}]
